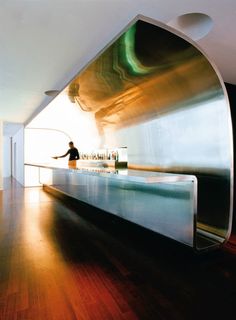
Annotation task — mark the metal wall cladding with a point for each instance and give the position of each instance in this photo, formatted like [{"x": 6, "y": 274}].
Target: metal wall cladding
[
  {"x": 157, "y": 94},
  {"x": 166, "y": 208}
]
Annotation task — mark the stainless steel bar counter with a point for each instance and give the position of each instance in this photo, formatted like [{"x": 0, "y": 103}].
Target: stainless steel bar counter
[{"x": 162, "y": 202}]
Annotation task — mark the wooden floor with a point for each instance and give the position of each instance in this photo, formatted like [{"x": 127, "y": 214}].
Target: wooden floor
[{"x": 56, "y": 263}]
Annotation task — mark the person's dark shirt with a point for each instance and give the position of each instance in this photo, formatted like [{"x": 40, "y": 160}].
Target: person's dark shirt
[{"x": 74, "y": 154}]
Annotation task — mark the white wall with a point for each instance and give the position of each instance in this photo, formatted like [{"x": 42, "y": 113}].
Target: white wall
[
  {"x": 1, "y": 153},
  {"x": 18, "y": 156},
  {"x": 60, "y": 114},
  {"x": 6, "y": 157}
]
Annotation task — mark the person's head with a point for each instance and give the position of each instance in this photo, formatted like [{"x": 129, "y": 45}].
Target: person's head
[{"x": 71, "y": 144}]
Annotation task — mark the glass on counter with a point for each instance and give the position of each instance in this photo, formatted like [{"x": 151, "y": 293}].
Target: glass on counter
[{"x": 116, "y": 154}]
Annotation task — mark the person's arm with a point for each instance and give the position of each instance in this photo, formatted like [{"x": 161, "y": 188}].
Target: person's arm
[
  {"x": 77, "y": 154},
  {"x": 64, "y": 155}
]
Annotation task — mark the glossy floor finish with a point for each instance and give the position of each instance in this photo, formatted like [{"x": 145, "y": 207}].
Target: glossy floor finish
[{"x": 60, "y": 263}]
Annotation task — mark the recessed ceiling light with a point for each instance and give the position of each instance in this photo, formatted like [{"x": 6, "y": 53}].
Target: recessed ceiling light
[
  {"x": 52, "y": 93},
  {"x": 194, "y": 25}
]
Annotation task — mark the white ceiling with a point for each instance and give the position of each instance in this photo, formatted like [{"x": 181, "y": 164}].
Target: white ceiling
[{"x": 44, "y": 44}]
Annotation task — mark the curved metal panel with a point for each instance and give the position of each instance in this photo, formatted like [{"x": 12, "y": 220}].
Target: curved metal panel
[{"x": 157, "y": 94}]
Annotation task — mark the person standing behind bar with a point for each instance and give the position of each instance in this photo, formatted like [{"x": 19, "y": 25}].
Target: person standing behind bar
[{"x": 74, "y": 155}]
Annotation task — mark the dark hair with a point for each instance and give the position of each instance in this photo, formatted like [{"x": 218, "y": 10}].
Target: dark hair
[{"x": 71, "y": 142}]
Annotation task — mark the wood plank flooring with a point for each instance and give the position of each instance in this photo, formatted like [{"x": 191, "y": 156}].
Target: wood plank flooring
[{"x": 57, "y": 263}]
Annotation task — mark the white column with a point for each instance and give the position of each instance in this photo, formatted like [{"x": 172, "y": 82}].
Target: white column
[
  {"x": 18, "y": 155},
  {"x": 6, "y": 156}
]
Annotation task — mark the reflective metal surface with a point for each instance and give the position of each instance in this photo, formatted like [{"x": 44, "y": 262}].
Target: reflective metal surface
[
  {"x": 157, "y": 94},
  {"x": 146, "y": 72},
  {"x": 165, "y": 203}
]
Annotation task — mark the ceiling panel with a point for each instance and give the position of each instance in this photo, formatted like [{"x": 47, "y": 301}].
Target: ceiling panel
[{"x": 44, "y": 44}]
